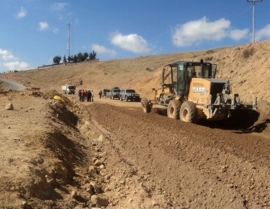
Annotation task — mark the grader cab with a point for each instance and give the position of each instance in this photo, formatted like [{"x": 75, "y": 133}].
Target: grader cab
[{"x": 191, "y": 93}]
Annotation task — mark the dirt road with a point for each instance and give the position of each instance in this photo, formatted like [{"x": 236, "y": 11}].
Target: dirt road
[
  {"x": 191, "y": 166},
  {"x": 109, "y": 154}
]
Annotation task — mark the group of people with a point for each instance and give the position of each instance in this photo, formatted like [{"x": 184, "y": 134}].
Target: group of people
[{"x": 86, "y": 95}]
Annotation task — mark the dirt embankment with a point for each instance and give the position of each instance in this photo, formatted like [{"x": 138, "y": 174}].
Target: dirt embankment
[
  {"x": 42, "y": 152},
  {"x": 99, "y": 155}
]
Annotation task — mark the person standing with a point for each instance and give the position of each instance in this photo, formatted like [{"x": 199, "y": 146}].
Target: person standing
[
  {"x": 89, "y": 96},
  {"x": 100, "y": 93},
  {"x": 79, "y": 95},
  {"x": 92, "y": 95},
  {"x": 82, "y": 95}
]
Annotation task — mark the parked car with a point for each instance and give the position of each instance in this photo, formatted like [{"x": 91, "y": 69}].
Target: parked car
[
  {"x": 114, "y": 93},
  {"x": 105, "y": 92},
  {"x": 129, "y": 95}
]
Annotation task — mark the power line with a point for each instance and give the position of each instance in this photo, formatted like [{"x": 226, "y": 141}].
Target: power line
[
  {"x": 253, "y": 17},
  {"x": 235, "y": 10}
]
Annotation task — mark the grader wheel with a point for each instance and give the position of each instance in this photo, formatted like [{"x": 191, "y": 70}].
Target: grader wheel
[
  {"x": 188, "y": 112},
  {"x": 173, "y": 109}
]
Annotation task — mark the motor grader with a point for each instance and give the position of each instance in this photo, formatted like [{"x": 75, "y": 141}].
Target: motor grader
[{"x": 190, "y": 92}]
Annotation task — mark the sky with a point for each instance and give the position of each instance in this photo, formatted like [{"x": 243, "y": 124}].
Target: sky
[{"x": 33, "y": 32}]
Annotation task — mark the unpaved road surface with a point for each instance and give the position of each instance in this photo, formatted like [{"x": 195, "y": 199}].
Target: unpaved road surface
[
  {"x": 192, "y": 166},
  {"x": 109, "y": 154},
  {"x": 13, "y": 85}
]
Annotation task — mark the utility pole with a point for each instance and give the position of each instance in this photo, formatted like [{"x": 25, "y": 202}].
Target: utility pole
[
  {"x": 253, "y": 17},
  {"x": 68, "y": 40},
  {"x": 176, "y": 43}
]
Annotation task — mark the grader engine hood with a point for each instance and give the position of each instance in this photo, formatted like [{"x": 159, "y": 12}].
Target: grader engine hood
[
  {"x": 214, "y": 98},
  {"x": 201, "y": 85},
  {"x": 206, "y": 91},
  {"x": 199, "y": 90}
]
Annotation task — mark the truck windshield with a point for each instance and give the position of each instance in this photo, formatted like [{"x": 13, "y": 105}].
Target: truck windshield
[
  {"x": 130, "y": 91},
  {"x": 71, "y": 87}
]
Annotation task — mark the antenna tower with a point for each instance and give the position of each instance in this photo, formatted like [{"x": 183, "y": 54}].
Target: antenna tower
[
  {"x": 253, "y": 17},
  {"x": 68, "y": 40}
]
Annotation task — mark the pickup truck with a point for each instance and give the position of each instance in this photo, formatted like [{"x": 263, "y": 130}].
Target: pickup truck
[
  {"x": 129, "y": 95},
  {"x": 68, "y": 89},
  {"x": 114, "y": 93}
]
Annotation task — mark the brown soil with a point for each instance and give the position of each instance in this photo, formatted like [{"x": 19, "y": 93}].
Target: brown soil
[{"x": 109, "y": 154}]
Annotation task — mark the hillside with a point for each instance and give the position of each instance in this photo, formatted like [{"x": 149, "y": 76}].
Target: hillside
[
  {"x": 110, "y": 154},
  {"x": 246, "y": 66}
]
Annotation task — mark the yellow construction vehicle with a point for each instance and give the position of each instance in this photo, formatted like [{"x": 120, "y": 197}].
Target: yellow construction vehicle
[{"x": 191, "y": 93}]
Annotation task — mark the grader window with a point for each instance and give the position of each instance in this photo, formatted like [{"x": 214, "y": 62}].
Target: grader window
[
  {"x": 206, "y": 71},
  {"x": 181, "y": 80},
  {"x": 191, "y": 72},
  {"x": 174, "y": 72},
  {"x": 167, "y": 76},
  {"x": 194, "y": 72},
  {"x": 198, "y": 71},
  {"x": 214, "y": 70}
]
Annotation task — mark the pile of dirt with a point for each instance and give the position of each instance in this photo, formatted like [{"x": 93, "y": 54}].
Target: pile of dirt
[{"x": 43, "y": 152}]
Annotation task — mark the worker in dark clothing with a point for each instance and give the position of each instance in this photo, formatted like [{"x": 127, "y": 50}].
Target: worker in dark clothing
[
  {"x": 88, "y": 96},
  {"x": 100, "y": 93},
  {"x": 83, "y": 94}
]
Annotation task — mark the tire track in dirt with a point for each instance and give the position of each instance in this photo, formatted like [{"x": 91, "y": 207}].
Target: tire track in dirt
[{"x": 194, "y": 165}]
